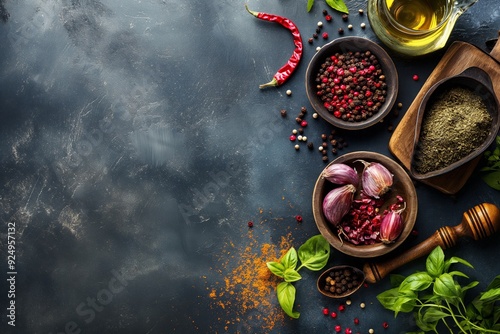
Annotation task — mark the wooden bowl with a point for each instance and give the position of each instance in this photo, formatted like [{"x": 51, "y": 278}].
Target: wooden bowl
[
  {"x": 402, "y": 185},
  {"x": 321, "y": 282},
  {"x": 344, "y": 45},
  {"x": 476, "y": 80}
]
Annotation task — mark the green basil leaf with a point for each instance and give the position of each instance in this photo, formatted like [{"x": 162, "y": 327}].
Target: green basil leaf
[
  {"x": 470, "y": 286},
  {"x": 435, "y": 262},
  {"x": 495, "y": 283},
  {"x": 458, "y": 273},
  {"x": 276, "y": 268},
  {"x": 492, "y": 179},
  {"x": 291, "y": 275},
  {"x": 286, "y": 297},
  {"x": 289, "y": 260},
  {"x": 396, "y": 280},
  {"x": 416, "y": 282},
  {"x": 388, "y": 298},
  {"x": 310, "y": 4},
  {"x": 338, "y": 5},
  {"x": 490, "y": 295},
  {"x": 445, "y": 286},
  {"x": 453, "y": 260},
  {"x": 433, "y": 315},
  {"x": 314, "y": 253}
]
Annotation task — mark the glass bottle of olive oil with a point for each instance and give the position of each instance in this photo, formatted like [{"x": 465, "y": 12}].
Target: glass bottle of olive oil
[{"x": 415, "y": 27}]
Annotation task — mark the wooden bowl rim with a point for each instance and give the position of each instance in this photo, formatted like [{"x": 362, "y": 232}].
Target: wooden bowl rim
[
  {"x": 346, "y": 44},
  {"x": 378, "y": 249}
]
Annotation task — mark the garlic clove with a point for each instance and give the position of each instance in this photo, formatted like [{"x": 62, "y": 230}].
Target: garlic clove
[
  {"x": 391, "y": 226},
  {"x": 337, "y": 203},
  {"x": 341, "y": 174},
  {"x": 376, "y": 179}
]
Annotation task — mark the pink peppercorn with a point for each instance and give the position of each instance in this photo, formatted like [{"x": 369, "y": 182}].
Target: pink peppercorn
[
  {"x": 338, "y": 328},
  {"x": 303, "y": 124},
  {"x": 250, "y": 224},
  {"x": 385, "y": 324},
  {"x": 298, "y": 218},
  {"x": 293, "y": 137},
  {"x": 341, "y": 307},
  {"x": 328, "y": 18},
  {"x": 325, "y": 311},
  {"x": 348, "y": 331},
  {"x": 325, "y": 35},
  {"x": 415, "y": 77},
  {"x": 333, "y": 315},
  {"x": 356, "y": 321}
]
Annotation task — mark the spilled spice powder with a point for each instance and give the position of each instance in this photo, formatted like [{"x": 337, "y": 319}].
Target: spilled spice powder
[{"x": 247, "y": 290}]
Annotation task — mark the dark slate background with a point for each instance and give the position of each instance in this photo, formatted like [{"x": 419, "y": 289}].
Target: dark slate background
[{"x": 135, "y": 146}]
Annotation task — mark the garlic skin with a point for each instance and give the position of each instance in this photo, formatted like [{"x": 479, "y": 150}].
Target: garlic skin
[
  {"x": 341, "y": 174},
  {"x": 376, "y": 179},
  {"x": 337, "y": 203},
  {"x": 391, "y": 226}
]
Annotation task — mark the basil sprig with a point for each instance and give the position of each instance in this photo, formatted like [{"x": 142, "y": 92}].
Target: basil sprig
[
  {"x": 313, "y": 255},
  {"x": 492, "y": 168},
  {"x": 436, "y": 297},
  {"x": 338, "y": 5}
]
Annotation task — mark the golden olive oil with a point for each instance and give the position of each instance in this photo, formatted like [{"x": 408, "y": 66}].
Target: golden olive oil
[{"x": 417, "y": 14}]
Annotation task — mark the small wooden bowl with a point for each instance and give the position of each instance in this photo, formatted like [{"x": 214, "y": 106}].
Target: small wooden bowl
[
  {"x": 321, "y": 282},
  {"x": 475, "y": 79},
  {"x": 402, "y": 185},
  {"x": 343, "y": 45}
]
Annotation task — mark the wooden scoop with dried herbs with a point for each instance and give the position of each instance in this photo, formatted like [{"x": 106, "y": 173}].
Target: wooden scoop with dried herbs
[{"x": 438, "y": 299}]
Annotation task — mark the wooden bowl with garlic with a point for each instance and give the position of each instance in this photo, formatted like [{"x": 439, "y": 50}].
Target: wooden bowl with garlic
[{"x": 364, "y": 204}]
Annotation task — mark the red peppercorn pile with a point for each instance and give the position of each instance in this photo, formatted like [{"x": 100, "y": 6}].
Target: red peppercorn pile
[{"x": 351, "y": 85}]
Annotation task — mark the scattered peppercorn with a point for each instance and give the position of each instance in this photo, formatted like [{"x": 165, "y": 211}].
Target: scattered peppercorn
[
  {"x": 283, "y": 113},
  {"x": 356, "y": 321},
  {"x": 361, "y": 11},
  {"x": 303, "y": 110},
  {"x": 341, "y": 31},
  {"x": 349, "y": 27},
  {"x": 315, "y": 115},
  {"x": 310, "y": 145},
  {"x": 328, "y": 18},
  {"x": 325, "y": 35},
  {"x": 288, "y": 92},
  {"x": 297, "y": 147},
  {"x": 345, "y": 17},
  {"x": 325, "y": 12},
  {"x": 348, "y": 302},
  {"x": 415, "y": 77},
  {"x": 325, "y": 311},
  {"x": 363, "y": 25},
  {"x": 400, "y": 105},
  {"x": 385, "y": 324},
  {"x": 303, "y": 124},
  {"x": 310, "y": 40},
  {"x": 293, "y": 137},
  {"x": 333, "y": 315},
  {"x": 298, "y": 218},
  {"x": 341, "y": 307},
  {"x": 250, "y": 224},
  {"x": 294, "y": 131},
  {"x": 320, "y": 24},
  {"x": 362, "y": 305},
  {"x": 325, "y": 159},
  {"x": 315, "y": 36},
  {"x": 338, "y": 329}
]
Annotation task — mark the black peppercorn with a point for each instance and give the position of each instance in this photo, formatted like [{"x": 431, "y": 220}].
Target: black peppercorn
[{"x": 283, "y": 112}]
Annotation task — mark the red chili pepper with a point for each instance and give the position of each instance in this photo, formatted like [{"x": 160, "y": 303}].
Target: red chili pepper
[{"x": 286, "y": 70}]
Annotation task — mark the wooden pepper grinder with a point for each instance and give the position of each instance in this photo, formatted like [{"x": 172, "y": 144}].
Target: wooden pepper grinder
[{"x": 478, "y": 222}]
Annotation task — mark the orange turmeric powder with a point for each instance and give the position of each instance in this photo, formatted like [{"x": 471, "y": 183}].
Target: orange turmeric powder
[{"x": 248, "y": 290}]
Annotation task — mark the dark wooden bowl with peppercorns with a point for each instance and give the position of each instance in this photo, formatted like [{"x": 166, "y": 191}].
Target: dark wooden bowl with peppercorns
[
  {"x": 351, "y": 234},
  {"x": 352, "y": 83}
]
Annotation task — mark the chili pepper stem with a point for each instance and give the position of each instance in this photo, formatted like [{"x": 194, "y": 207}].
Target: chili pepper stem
[
  {"x": 251, "y": 11},
  {"x": 272, "y": 83}
]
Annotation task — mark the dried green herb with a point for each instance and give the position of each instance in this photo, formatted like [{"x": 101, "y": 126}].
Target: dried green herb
[
  {"x": 492, "y": 168},
  {"x": 456, "y": 123}
]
